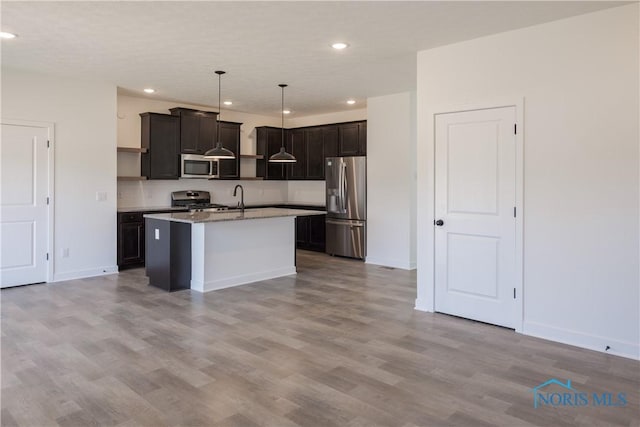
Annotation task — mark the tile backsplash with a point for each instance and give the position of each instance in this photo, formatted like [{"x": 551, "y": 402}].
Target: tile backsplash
[{"x": 158, "y": 193}]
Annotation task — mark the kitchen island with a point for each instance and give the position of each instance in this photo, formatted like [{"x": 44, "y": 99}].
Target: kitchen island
[{"x": 205, "y": 251}]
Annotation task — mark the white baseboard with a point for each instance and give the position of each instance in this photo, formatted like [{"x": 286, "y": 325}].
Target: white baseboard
[
  {"x": 580, "y": 339},
  {"x": 423, "y": 306},
  {"x": 229, "y": 282},
  {"x": 83, "y": 274},
  {"x": 394, "y": 263}
]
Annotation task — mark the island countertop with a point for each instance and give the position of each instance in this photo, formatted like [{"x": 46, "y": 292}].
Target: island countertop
[
  {"x": 150, "y": 209},
  {"x": 234, "y": 215}
]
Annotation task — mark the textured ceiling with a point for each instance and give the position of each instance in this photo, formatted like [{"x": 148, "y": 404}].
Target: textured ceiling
[{"x": 174, "y": 47}]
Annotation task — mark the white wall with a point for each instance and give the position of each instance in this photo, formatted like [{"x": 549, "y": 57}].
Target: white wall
[
  {"x": 579, "y": 80},
  {"x": 306, "y": 192},
  {"x": 85, "y": 163},
  {"x": 391, "y": 181},
  {"x": 322, "y": 119}
]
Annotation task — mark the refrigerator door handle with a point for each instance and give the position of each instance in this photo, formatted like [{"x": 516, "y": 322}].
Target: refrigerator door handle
[
  {"x": 340, "y": 188},
  {"x": 345, "y": 222},
  {"x": 344, "y": 188}
]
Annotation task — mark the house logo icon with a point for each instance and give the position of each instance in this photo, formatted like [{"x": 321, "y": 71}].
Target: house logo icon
[{"x": 536, "y": 389}]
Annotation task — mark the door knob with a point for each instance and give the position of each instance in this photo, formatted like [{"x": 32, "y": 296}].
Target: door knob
[{"x": 439, "y": 223}]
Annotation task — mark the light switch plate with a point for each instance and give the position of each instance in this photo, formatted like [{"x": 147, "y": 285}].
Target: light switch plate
[{"x": 157, "y": 234}]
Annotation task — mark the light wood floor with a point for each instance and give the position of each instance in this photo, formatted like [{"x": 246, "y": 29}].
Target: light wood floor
[{"x": 338, "y": 345}]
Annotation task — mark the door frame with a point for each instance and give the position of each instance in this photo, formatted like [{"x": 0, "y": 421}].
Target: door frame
[
  {"x": 50, "y": 127},
  {"x": 425, "y": 300}
]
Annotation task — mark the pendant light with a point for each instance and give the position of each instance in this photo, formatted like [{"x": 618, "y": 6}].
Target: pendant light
[
  {"x": 282, "y": 156},
  {"x": 219, "y": 152}
]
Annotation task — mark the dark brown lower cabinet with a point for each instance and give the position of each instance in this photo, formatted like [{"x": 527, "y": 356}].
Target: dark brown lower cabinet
[
  {"x": 317, "y": 233},
  {"x": 302, "y": 231},
  {"x": 130, "y": 240},
  {"x": 310, "y": 233},
  {"x": 131, "y": 245}
]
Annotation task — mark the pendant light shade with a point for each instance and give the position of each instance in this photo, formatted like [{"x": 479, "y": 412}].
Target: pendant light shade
[
  {"x": 282, "y": 156},
  {"x": 219, "y": 152}
]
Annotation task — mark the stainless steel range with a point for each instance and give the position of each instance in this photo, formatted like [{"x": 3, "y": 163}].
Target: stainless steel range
[{"x": 196, "y": 201}]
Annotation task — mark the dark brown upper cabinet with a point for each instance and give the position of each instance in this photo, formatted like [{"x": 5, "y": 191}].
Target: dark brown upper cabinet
[
  {"x": 296, "y": 145},
  {"x": 268, "y": 142},
  {"x": 197, "y": 130},
  {"x": 310, "y": 145},
  {"x": 315, "y": 153},
  {"x": 161, "y": 137},
  {"x": 362, "y": 138},
  {"x": 330, "y": 141},
  {"x": 230, "y": 138},
  {"x": 352, "y": 139}
]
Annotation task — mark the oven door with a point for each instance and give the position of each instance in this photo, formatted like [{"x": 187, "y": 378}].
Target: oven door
[{"x": 196, "y": 166}]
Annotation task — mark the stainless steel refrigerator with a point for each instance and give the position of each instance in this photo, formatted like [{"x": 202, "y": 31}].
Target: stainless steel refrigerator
[{"x": 346, "y": 179}]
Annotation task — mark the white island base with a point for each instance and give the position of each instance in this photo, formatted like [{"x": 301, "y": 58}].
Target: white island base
[{"x": 232, "y": 253}]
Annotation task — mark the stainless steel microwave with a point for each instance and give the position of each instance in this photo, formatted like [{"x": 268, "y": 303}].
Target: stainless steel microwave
[{"x": 196, "y": 166}]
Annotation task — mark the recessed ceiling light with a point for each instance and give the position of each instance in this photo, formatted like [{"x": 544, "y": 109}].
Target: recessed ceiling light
[
  {"x": 339, "y": 45},
  {"x": 351, "y": 101},
  {"x": 4, "y": 35},
  {"x": 286, "y": 111},
  {"x": 149, "y": 90},
  {"x": 228, "y": 103}
]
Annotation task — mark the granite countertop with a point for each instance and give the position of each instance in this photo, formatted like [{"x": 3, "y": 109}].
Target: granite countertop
[
  {"x": 153, "y": 209},
  {"x": 319, "y": 206},
  {"x": 199, "y": 217}
]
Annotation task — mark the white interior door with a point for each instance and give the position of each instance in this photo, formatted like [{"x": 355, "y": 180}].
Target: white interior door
[
  {"x": 23, "y": 205},
  {"x": 475, "y": 230}
]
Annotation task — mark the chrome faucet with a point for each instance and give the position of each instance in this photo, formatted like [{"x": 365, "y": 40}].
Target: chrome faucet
[{"x": 241, "y": 202}]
